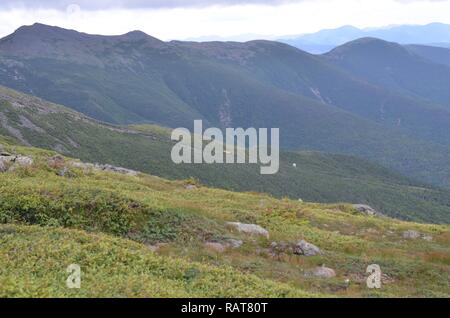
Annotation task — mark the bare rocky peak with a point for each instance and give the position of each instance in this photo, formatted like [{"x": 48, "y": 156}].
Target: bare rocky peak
[{"x": 44, "y": 41}]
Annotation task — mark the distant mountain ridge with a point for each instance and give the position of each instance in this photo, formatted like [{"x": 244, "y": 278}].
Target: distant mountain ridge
[
  {"x": 439, "y": 55},
  {"x": 395, "y": 67},
  {"x": 325, "y": 40}
]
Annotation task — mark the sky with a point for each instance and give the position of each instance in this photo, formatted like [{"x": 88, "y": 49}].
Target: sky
[{"x": 221, "y": 19}]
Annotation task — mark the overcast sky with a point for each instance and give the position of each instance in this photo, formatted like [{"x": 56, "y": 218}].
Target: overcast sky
[{"x": 241, "y": 20}]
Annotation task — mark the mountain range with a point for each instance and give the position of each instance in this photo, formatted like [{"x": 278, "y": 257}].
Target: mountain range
[
  {"x": 319, "y": 105},
  {"x": 435, "y": 34},
  {"x": 392, "y": 110}
]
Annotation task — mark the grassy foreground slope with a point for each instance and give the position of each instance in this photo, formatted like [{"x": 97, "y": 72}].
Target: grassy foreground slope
[
  {"x": 180, "y": 223},
  {"x": 114, "y": 267}
]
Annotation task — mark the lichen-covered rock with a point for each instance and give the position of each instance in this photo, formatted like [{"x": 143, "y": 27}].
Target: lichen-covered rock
[
  {"x": 121, "y": 170},
  {"x": 368, "y": 210},
  {"x": 23, "y": 161},
  {"x": 108, "y": 168},
  {"x": 251, "y": 229},
  {"x": 306, "y": 249},
  {"x": 322, "y": 272},
  {"x": 411, "y": 234},
  {"x": 8, "y": 161}
]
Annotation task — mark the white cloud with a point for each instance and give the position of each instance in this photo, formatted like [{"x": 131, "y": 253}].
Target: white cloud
[{"x": 180, "y": 23}]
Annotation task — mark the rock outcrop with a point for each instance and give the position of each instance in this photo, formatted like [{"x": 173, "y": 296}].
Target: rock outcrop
[
  {"x": 105, "y": 167},
  {"x": 306, "y": 249},
  {"x": 322, "y": 272},
  {"x": 9, "y": 161},
  {"x": 368, "y": 210},
  {"x": 411, "y": 234},
  {"x": 251, "y": 229}
]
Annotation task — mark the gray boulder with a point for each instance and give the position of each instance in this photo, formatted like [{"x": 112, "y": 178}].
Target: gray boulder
[
  {"x": 121, "y": 170},
  {"x": 365, "y": 209},
  {"x": 99, "y": 167},
  {"x": 23, "y": 161},
  {"x": 82, "y": 165},
  {"x": 322, "y": 272},
  {"x": 251, "y": 229},
  {"x": 306, "y": 249},
  {"x": 411, "y": 234},
  {"x": 7, "y": 161}
]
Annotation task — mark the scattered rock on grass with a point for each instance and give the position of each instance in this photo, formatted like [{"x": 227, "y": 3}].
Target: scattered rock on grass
[
  {"x": 251, "y": 229},
  {"x": 411, "y": 234},
  {"x": 23, "y": 161},
  {"x": 108, "y": 168},
  {"x": 306, "y": 249},
  {"x": 6, "y": 160},
  {"x": 322, "y": 272},
  {"x": 365, "y": 209},
  {"x": 121, "y": 170}
]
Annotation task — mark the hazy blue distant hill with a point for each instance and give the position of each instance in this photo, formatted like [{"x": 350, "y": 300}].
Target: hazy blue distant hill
[
  {"x": 324, "y": 40},
  {"x": 440, "y": 55},
  {"x": 390, "y": 65}
]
